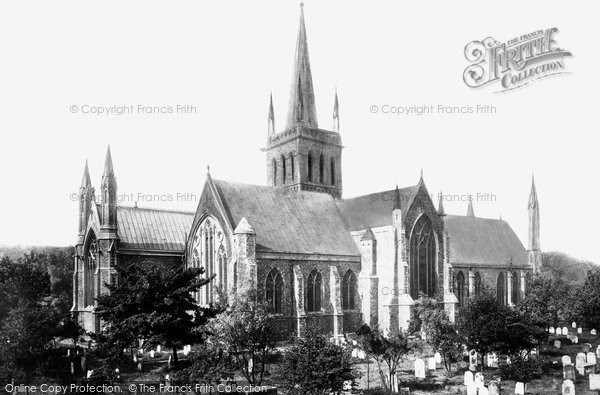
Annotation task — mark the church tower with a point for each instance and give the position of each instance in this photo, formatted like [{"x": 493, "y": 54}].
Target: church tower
[
  {"x": 302, "y": 156},
  {"x": 533, "y": 243}
]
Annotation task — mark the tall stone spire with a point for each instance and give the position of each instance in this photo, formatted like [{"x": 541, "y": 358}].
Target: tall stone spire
[
  {"x": 533, "y": 243},
  {"x": 86, "y": 197},
  {"x": 534, "y": 218},
  {"x": 470, "y": 211},
  {"x": 336, "y": 113},
  {"x": 302, "y": 109},
  {"x": 271, "y": 117}
]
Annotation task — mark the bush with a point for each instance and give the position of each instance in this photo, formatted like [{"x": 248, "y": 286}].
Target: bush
[{"x": 526, "y": 370}]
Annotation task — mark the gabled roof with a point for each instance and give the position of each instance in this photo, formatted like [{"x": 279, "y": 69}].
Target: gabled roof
[
  {"x": 374, "y": 210},
  {"x": 483, "y": 241},
  {"x": 286, "y": 220},
  {"x": 148, "y": 229}
]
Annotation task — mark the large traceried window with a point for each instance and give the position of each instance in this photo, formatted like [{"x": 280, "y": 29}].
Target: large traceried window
[
  {"x": 422, "y": 259},
  {"x": 349, "y": 291},
  {"x": 90, "y": 267},
  {"x": 460, "y": 289},
  {"x": 313, "y": 292},
  {"x": 209, "y": 253},
  {"x": 274, "y": 291}
]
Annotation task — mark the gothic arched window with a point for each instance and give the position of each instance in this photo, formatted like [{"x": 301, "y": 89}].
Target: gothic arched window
[
  {"x": 274, "y": 291},
  {"x": 321, "y": 169},
  {"x": 292, "y": 166},
  {"x": 515, "y": 288},
  {"x": 422, "y": 259},
  {"x": 274, "y": 164},
  {"x": 349, "y": 291},
  {"x": 332, "y": 170},
  {"x": 501, "y": 289},
  {"x": 209, "y": 253},
  {"x": 310, "y": 167},
  {"x": 283, "y": 170},
  {"x": 477, "y": 285},
  {"x": 460, "y": 289},
  {"x": 90, "y": 267},
  {"x": 313, "y": 292}
]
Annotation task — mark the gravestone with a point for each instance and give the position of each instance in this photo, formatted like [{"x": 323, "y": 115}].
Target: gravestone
[
  {"x": 565, "y": 331},
  {"x": 598, "y": 351},
  {"x": 89, "y": 373},
  {"x": 579, "y": 330},
  {"x": 551, "y": 330},
  {"x": 419, "y": 368},
  {"x": 438, "y": 357},
  {"x": 569, "y": 372},
  {"x": 593, "y": 332},
  {"x": 566, "y": 360},
  {"x": 587, "y": 347},
  {"x": 361, "y": 354},
  {"x": 573, "y": 325},
  {"x": 568, "y": 388},
  {"x": 431, "y": 365},
  {"x": 595, "y": 382},
  {"x": 158, "y": 348},
  {"x": 151, "y": 353},
  {"x": 557, "y": 344},
  {"x": 472, "y": 389},
  {"x": 520, "y": 389},
  {"x": 483, "y": 391},
  {"x": 494, "y": 388},
  {"x": 479, "y": 380},
  {"x": 354, "y": 353},
  {"x": 580, "y": 359},
  {"x": 575, "y": 339},
  {"x": 139, "y": 366},
  {"x": 492, "y": 360},
  {"x": 468, "y": 378}
]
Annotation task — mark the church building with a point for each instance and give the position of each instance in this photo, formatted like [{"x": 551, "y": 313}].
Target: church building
[{"x": 313, "y": 256}]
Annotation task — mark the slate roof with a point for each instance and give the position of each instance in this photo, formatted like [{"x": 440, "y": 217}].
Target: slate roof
[
  {"x": 286, "y": 220},
  {"x": 148, "y": 229},
  {"x": 483, "y": 241},
  {"x": 371, "y": 211}
]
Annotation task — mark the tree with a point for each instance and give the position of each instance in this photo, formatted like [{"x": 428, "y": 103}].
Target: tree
[
  {"x": 419, "y": 311},
  {"x": 246, "y": 332},
  {"x": 156, "y": 304},
  {"x": 487, "y": 326},
  {"x": 588, "y": 296},
  {"x": 547, "y": 299},
  {"x": 315, "y": 365},
  {"x": 443, "y": 337},
  {"x": 388, "y": 351}
]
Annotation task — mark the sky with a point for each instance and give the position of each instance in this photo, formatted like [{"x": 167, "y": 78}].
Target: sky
[{"x": 62, "y": 60}]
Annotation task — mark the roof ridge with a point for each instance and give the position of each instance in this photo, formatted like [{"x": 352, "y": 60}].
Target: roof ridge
[
  {"x": 470, "y": 217},
  {"x": 378, "y": 192},
  {"x": 276, "y": 189},
  {"x": 164, "y": 210}
]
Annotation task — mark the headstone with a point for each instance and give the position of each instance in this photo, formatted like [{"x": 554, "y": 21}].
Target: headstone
[
  {"x": 593, "y": 332},
  {"x": 569, "y": 372},
  {"x": 568, "y": 388},
  {"x": 573, "y": 325},
  {"x": 595, "y": 382},
  {"x": 557, "y": 344},
  {"x": 566, "y": 360},
  {"x": 354, "y": 353},
  {"x": 587, "y": 347},
  {"x": 468, "y": 378},
  {"x": 438, "y": 357},
  {"x": 483, "y": 391},
  {"x": 479, "y": 380},
  {"x": 494, "y": 388},
  {"x": 580, "y": 359},
  {"x": 565, "y": 331},
  {"x": 472, "y": 389},
  {"x": 575, "y": 339},
  {"x": 579, "y": 330},
  {"x": 151, "y": 353},
  {"x": 551, "y": 330},
  {"x": 89, "y": 373},
  {"x": 492, "y": 360},
  {"x": 520, "y": 388},
  {"x": 158, "y": 348},
  {"x": 431, "y": 364},
  {"x": 139, "y": 366},
  {"x": 361, "y": 354},
  {"x": 419, "y": 368}
]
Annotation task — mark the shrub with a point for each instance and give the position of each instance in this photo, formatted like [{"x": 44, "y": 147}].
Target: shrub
[{"x": 525, "y": 370}]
